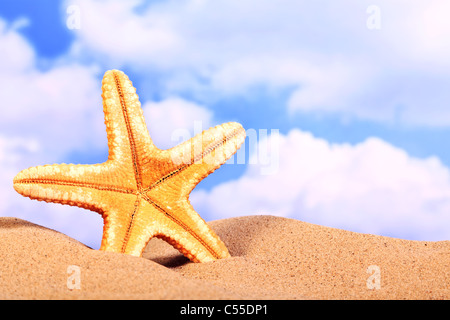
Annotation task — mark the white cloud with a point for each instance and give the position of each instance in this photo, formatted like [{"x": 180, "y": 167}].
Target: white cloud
[
  {"x": 61, "y": 107},
  {"x": 120, "y": 34},
  {"x": 64, "y": 100},
  {"x": 12, "y": 151},
  {"x": 17, "y": 55},
  {"x": 371, "y": 187},
  {"x": 324, "y": 49},
  {"x": 175, "y": 120}
]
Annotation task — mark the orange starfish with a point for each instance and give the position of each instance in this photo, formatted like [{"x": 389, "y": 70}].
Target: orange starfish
[{"x": 141, "y": 191}]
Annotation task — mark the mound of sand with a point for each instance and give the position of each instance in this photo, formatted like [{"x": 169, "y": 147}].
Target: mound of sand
[{"x": 272, "y": 258}]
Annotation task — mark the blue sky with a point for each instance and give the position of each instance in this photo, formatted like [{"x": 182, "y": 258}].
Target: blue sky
[{"x": 358, "y": 91}]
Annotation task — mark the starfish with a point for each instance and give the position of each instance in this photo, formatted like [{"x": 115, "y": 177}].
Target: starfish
[{"x": 141, "y": 191}]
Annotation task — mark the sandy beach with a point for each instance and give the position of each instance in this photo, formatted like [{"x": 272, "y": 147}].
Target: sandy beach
[{"x": 272, "y": 258}]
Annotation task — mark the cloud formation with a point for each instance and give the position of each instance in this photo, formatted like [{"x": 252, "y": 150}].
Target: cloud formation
[
  {"x": 323, "y": 50},
  {"x": 174, "y": 120},
  {"x": 64, "y": 99},
  {"x": 372, "y": 187}
]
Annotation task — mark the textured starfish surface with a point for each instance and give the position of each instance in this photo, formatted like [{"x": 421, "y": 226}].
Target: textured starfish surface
[{"x": 141, "y": 191}]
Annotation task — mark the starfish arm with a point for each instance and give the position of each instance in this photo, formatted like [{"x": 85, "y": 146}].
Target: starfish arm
[
  {"x": 119, "y": 214},
  {"x": 70, "y": 184},
  {"x": 128, "y": 137},
  {"x": 177, "y": 223},
  {"x": 204, "y": 153},
  {"x": 141, "y": 228}
]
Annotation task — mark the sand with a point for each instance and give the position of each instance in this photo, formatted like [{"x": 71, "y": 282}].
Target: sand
[{"x": 272, "y": 258}]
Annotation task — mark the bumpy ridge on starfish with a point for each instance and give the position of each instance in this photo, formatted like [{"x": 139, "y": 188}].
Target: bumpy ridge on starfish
[{"x": 141, "y": 191}]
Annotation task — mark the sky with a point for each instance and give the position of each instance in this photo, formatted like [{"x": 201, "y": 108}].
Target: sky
[{"x": 345, "y": 104}]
